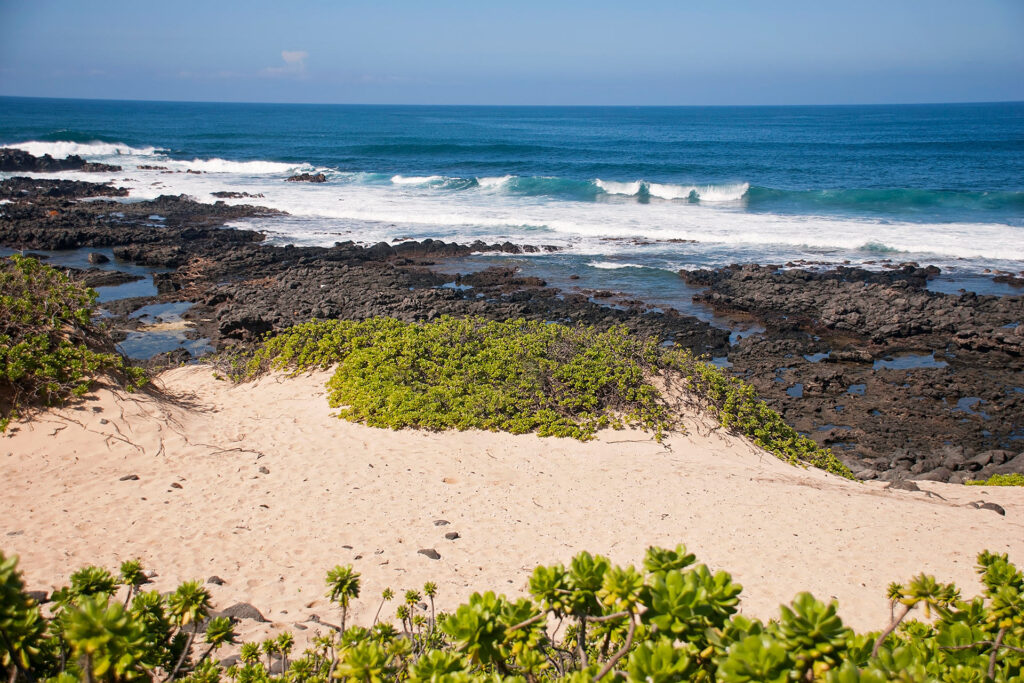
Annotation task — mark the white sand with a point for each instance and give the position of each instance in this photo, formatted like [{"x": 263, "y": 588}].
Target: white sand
[{"x": 516, "y": 501}]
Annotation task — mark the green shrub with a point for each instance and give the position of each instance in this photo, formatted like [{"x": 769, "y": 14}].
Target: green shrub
[
  {"x": 517, "y": 376},
  {"x": 736, "y": 406},
  {"x": 50, "y": 348},
  {"x": 1014, "y": 479},
  {"x": 589, "y": 621}
]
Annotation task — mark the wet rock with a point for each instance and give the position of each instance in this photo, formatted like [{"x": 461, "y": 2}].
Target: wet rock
[
  {"x": 97, "y": 258},
  {"x": 224, "y": 194},
  {"x": 19, "y": 161},
  {"x": 307, "y": 178}
]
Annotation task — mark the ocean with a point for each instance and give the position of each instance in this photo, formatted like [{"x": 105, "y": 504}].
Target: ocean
[{"x": 629, "y": 194}]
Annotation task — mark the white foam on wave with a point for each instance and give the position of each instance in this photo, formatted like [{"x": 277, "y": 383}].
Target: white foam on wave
[
  {"x": 611, "y": 265},
  {"x": 61, "y": 149},
  {"x": 373, "y": 207},
  {"x": 216, "y": 165},
  {"x": 615, "y": 187},
  {"x": 493, "y": 182},
  {"x": 704, "y": 193},
  {"x": 721, "y": 193},
  {"x": 415, "y": 179}
]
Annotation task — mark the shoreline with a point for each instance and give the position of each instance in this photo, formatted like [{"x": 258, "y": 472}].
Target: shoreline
[
  {"x": 203, "y": 505},
  {"x": 902, "y": 382}
]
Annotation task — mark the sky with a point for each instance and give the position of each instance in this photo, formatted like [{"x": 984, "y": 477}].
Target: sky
[{"x": 654, "y": 52}]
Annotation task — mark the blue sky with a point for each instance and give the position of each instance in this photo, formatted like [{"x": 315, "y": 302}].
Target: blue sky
[{"x": 652, "y": 52}]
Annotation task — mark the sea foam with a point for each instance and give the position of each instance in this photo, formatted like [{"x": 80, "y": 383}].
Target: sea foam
[{"x": 61, "y": 149}]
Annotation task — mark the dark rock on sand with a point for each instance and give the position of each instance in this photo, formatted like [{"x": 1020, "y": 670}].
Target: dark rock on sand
[
  {"x": 40, "y": 597},
  {"x": 994, "y": 507},
  {"x": 242, "y": 610},
  {"x": 903, "y": 485},
  {"x": 430, "y": 553},
  {"x": 215, "y": 580}
]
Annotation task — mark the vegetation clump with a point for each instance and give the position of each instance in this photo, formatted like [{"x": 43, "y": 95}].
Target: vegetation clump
[
  {"x": 1014, "y": 479},
  {"x": 670, "y": 620},
  {"x": 517, "y": 376},
  {"x": 50, "y": 348}
]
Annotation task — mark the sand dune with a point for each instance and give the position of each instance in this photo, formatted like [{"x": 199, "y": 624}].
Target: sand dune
[{"x": 259, "y": 485}]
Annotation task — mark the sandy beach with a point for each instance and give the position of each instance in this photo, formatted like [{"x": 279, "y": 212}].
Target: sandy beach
[{"x": 258, "y": 484}]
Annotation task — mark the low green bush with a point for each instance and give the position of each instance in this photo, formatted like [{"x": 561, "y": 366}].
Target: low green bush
[
  {"x": 671, "y": 620},
  {"x": 1014, "y": 479},
  {"x": 50, "y": 348},
  {"x": 516, "y": 376}
]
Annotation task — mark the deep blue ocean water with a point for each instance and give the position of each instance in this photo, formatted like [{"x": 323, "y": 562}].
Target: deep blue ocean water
[{"x": 635, "y": 193}]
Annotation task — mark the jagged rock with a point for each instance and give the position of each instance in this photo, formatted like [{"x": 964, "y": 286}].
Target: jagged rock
[
  {"x": 308, "y": 178},
  {"x": 19, "y": 161}
]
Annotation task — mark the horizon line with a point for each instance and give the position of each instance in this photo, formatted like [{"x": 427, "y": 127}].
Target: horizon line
[{"x": 420, "y": 104}]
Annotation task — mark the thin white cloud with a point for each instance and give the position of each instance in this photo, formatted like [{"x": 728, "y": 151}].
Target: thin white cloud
[
  {"x": 294, "y": 64},
  {"x": 294, "y": 57}
]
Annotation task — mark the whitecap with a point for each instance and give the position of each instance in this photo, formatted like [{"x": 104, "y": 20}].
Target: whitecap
[
  {"x": 63, "y": 148},
  {"x": 497, "y": 181},
  {"x": 614, "y": 187},
  {"x": 611, "y": 265},
  {"x": 415, "y": 180}
]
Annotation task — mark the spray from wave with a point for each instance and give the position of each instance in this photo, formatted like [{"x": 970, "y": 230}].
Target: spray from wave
[
  {"x": 693, "y": 193},
  {"x": 63, "y": 148}
]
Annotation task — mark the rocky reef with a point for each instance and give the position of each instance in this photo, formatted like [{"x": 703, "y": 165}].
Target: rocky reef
[{"x": 901, "y": 381}]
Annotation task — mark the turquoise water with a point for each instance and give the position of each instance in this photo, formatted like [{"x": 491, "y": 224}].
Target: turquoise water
[{"x": 627, "y": 193}]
